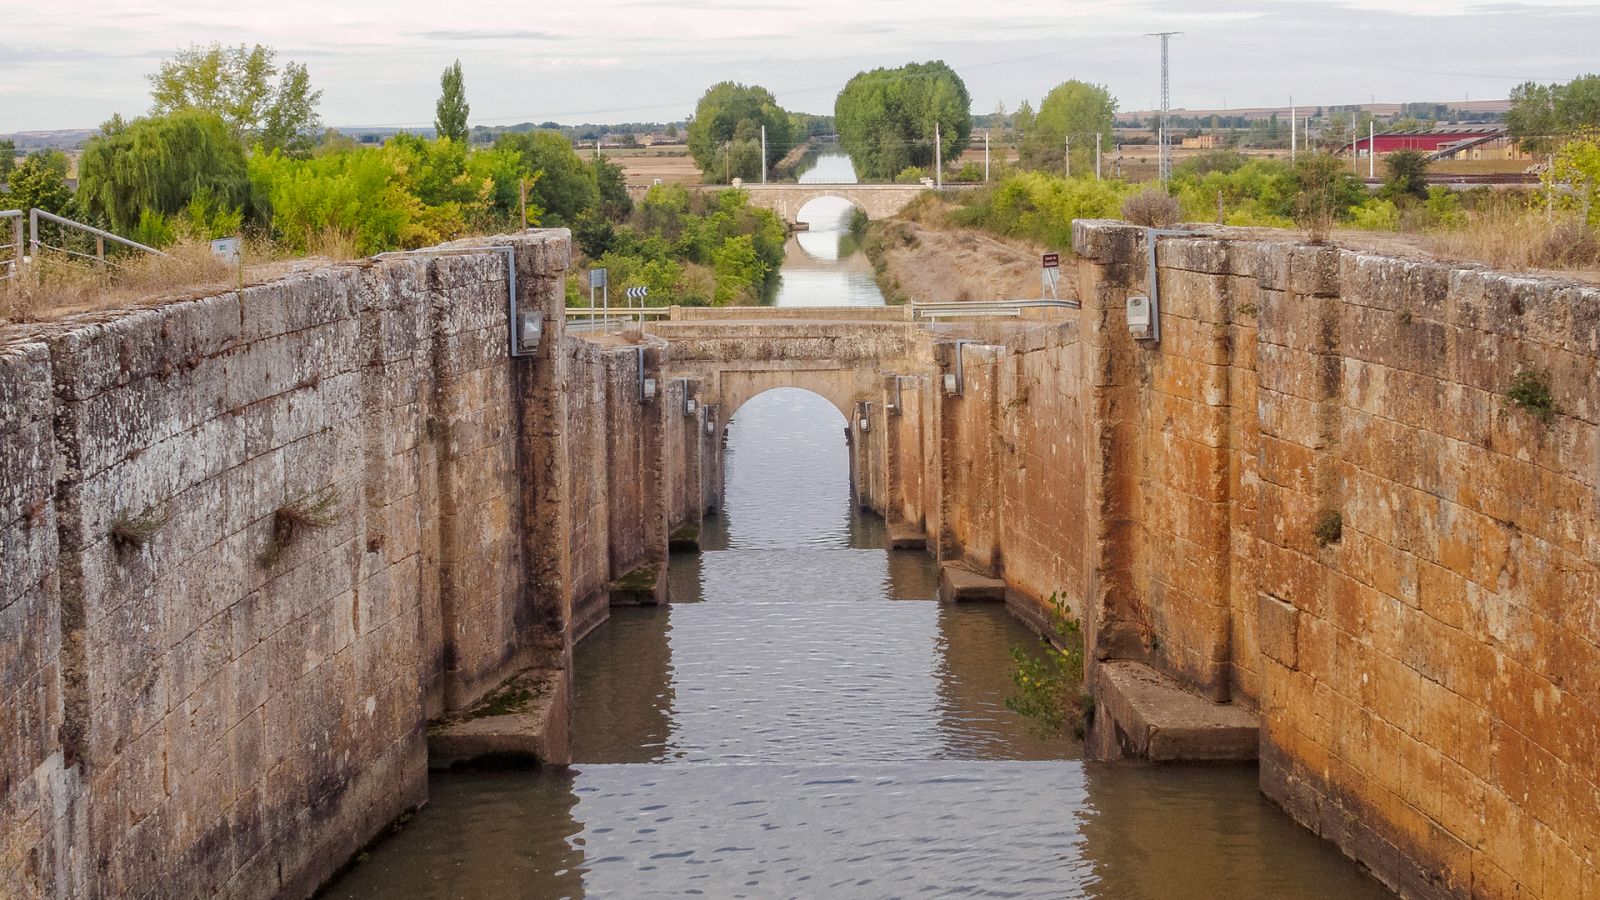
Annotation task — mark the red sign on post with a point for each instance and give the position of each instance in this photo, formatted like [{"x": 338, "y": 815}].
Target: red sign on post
[{"x": 1052, "y": 260}]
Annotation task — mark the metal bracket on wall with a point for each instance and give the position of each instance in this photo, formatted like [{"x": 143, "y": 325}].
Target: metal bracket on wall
[
  {"x": 1150, "y": 237},
  {"x": 524, "y": 329},
  {"x": 647, "y": 386},
  {"x": 955, "y": 383},
  {"x": 894, "y": 402}
]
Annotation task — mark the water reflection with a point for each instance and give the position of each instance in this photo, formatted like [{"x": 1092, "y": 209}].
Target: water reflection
[{"x": 822, "y": 266}]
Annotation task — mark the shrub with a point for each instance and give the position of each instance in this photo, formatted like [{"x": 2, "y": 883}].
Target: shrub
[
  {"x": 1568, "y": 244},
  {"x": 911, "y": 175},
  {"x": 1405, "y": 174},
  {"x": 1040, "y": 207},
  {"x": 1530, "y": 390},
  {"x": 1376, "y": 215},
  {"x": 1325, "y": 192},
  {"x": 1152, "y": 208},
  {"x": 1049, "y": 686}
]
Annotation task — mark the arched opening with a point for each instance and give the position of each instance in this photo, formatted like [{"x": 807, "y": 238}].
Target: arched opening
[
  {"x": 823, "y": 264},
  {"x": 787, "y": 473}
]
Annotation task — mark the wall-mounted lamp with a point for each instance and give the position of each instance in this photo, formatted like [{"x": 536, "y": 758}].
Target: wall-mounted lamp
[
  {"x": 647, "y": 386},
  {"x": 864, "y": 417},
  {"x": 893, "y": 406},
  {"x": 955, "y": 383},
  {"x": 530, "y": 330},
  {"x": 711, "y": 420},
  {"x": 689, "y": 403}
]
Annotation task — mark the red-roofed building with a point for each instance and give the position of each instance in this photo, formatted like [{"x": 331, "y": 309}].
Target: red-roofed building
[{"x": 1488, "y": 141}]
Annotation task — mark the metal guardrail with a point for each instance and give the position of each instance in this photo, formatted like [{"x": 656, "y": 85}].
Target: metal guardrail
[
  {"x": 585, "y": 319},
  {"x": 35, "y": 244},
  {"x": 983, "y": 309},
  {"x": 11, "y": 255}
]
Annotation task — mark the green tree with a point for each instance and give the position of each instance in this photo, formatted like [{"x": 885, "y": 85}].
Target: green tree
[
  {"x": 1326, "y": 192},
  {"x": 158, "y": 165},
  {"x": 725, "y": 133},
  {"x": 613, "y": 184},
  {"x": 886, "y": 118},
  {"x": 1405, "y": 174},
  {"x": 1542, "y": 116},
  {"x": 8, "y": 158},
  {"x": 567, "y": 185},
  {"x": 259, "y": 102},
  {"x": 450, "y": 115},
  {"x": 1072, "y": 109},
  {"x": 1023, "y": 123},
  {"x": 40, "y": 181},
  {"x": 1578, "y": 164}
]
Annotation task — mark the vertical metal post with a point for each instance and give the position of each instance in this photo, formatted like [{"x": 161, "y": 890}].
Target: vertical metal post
[
  {"x": 100, "y": 251},
  {"x": 17, "y": 248},
  {"x": 763, "y": 154},
  {"x": 938, "y": 158},
  {"x": 1069, "y": 156},
  {"x": 1099, "y": 137},
  {"x": 1294, "y": 129},
  {"x": 1372, "y": 149},
  {"x": 522, "y": 191},
  {"x": 986, "y": 156},
  {"x": 33, "y": 234}
]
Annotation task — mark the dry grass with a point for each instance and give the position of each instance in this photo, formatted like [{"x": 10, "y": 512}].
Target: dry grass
[
  {"x": 55, "y": 285},
  {"x": 1152, "y": 208},
  {"x": 1516, "y": 240}
]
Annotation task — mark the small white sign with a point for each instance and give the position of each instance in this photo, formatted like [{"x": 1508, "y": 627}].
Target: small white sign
[{"x": 226, "y": 248}]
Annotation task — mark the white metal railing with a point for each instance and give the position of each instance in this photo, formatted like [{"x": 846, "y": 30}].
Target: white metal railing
[
  {"x": 35, "y": 243},
  {"x": 11, "y": 253},
  {"x": 983, "y": 309}
]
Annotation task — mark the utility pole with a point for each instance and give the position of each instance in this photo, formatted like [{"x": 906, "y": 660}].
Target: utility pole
[
  {"x": 986, "y": 156},
  {"x": 1294, "y": 130},
  {"x": 1164, "y": 167},
  {"x": 938, "y": 158},
  {"x": 1097, "y": 139},
  {"x": 1372, "y": 149},
  {"x": 1355, "y": 130},
  {"x": 763, "y": 154},
  {"x": 1069, "y": 156},
  {"x": 522, "y": 194}
]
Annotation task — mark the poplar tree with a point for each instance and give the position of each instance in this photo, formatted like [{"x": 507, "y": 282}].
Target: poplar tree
[{"x": 450, "y": 116}]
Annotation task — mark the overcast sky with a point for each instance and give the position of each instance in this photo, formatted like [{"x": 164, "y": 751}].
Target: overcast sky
[{"x": 71, "y": 65}]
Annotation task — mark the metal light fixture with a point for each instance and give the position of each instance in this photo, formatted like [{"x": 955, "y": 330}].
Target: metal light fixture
[
  {"x": 647, "y": 386},
  {"x": 893, "y": 406},
  {"x": 864, "y": 417},
  {"x": 689, "y": 403}
]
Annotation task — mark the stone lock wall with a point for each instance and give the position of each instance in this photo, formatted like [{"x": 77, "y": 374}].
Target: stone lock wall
[
  {"x": 205, "y": 697},
  {"x": 1337, "y": 511}
]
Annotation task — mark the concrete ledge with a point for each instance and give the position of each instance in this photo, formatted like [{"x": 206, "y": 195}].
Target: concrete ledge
[
  {"x": 959, "y": 583},
  {"x": 684, "y": 539},
  {"x": 644, "y": 586},
  {"x": 524, "y": 721},
  {"x": 906, "y": 537},
  {"x": 590, "y": 613},
  {"x": 1143, "y": 714}
]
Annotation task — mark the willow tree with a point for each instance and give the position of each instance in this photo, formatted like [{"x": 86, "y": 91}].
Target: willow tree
[
  {"x": 888, "y": 118},
  {"x": 725, "y": 133},
  {"x": 161, "y": 164}
]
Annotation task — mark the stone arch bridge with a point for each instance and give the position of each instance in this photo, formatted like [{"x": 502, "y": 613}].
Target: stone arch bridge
[{"x": 878, "y": 201}]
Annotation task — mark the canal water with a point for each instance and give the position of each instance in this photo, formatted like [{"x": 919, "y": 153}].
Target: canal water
[
  {"x": 806, "y": 720},
  {"x": 822, "y": 266}
]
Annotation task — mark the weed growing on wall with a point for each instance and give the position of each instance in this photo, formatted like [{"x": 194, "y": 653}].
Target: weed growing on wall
[
  {"x": 318, "y": 510},
  {"x": 1049, "y": 687},
  {"x": 1531, "y": 391},
  {"x": 131, "y": 532}
]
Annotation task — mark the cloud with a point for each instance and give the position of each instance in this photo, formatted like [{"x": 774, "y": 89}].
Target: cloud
[{"x": 484, "y": 35}]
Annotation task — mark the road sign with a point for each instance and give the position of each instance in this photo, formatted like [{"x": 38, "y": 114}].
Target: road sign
[
  {"x": 638, "y": 293},
  {"x": 597, "y": 278},
  {"x": 226, "y": 248},
  {"x": 1052, "y": 260}
]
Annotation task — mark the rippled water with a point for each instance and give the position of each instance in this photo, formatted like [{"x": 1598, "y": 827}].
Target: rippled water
[{"x": 805, "y": 721}]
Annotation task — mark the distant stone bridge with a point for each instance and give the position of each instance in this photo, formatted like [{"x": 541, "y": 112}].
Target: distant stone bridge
[{"x": 878, "y": 201}]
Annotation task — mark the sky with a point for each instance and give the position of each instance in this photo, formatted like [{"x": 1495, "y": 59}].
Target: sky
[{"x": 71, "y": 65}]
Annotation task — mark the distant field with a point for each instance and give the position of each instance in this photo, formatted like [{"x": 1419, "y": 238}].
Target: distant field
[{"x": 644, "y": 165}]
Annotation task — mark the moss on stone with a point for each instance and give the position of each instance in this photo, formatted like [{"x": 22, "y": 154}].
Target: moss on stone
[
  {"x": 687, "y": 537},
  {"x": 640, "y": 581}
]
